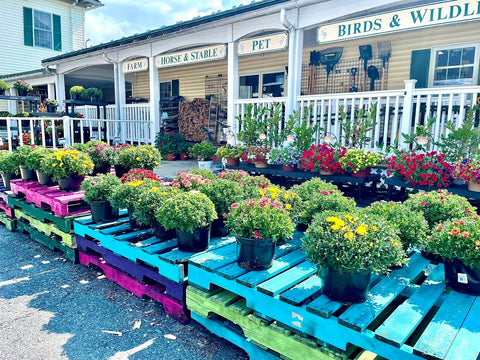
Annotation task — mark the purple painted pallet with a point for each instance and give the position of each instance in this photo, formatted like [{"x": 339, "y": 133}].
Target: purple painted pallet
[
  {"x": 8, "y": 210},
  {"x": 172, "y": 307},
  {"x": 62, "y": 203},
  {"x": 140, "y": 272}
]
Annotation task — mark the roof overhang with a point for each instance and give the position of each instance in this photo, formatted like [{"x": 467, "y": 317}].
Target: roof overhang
[{"x": 86, "y": 4}]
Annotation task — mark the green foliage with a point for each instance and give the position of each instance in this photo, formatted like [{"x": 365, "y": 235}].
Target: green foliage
[
  {"x": 170, "y": 143},
  {"x": 91, "y": 93},
  {"x": 188, "y": 181},
  {"x": 206, "y": 174},
  {"x": 223, "y": 193},
  {"x": 411, "y": 226},
  {"x": 229, "y": 151},
  {"x": 20, "y": 155},
  {"x": 419, "y": 140},
  {"x": 292, "y": 202},
  {"x": 355, "y": 131},
  {"x": 8, "y": 163},
  {"x": 349, "y": 243},
  {"x": 307, "y": 188},
  {"x": 65, "y": 162},
  {"x": 460, "y": 143},
  {"x": 34, "y": 159},
  {"x": 356, "y": 159},
  {"x": 260, "y": 219},
  {"x": 303, "y": 129},
  {"x": 438, "y": 206},
  {"x": 76, "y": 89},
  {"x": 3, "y": 85},
  {"x": 187, "y": 211},
  {"x": 99, "y": 187},
  {"x": 150, "y": 199},
  {"x": 203, "y": 150},
  {"x": 141, "y": 156},
  {"x": 324, "y": 201},
  {"x": 125, "y": 195},
  {"x": 102, "y": 154}
]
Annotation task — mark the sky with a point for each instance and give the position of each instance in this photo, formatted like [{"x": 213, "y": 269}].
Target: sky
[{"x": 119, "y": 18}]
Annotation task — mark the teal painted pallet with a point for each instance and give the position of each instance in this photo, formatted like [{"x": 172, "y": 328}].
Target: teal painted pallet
[
  {"x": 395, "y": 322},
  {"x": 140, "y": 246}
]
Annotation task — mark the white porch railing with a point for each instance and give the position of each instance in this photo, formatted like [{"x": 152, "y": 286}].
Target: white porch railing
[{"x": 269, "y": 103}]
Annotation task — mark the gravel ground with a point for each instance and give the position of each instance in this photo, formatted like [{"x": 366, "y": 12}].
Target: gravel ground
[{"x": 53, "y": 309}]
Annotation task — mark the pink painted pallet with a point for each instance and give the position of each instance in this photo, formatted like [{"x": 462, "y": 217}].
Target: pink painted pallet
[
  {"x": 172, "y": 307},
  {"x": 62, "y": 203},
  {"x": 8, "y": 210}
]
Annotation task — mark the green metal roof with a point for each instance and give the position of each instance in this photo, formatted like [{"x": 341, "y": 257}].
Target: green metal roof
[
  {"x": 30, "y": 72},
  {"x": 171, "y": 28}
]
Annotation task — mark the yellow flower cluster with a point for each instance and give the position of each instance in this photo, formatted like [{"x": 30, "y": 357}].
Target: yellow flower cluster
[
  {"x": 275, "y": 193},
  {"x": 349, "y": 228}
]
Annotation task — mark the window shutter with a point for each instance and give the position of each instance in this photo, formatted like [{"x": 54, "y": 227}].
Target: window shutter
[
  {"x": 57, "y": 33},
  {"x": 419, "y": 66},
  {"x": 27, "y": 27},
  {"x": 175, "y": 87}
]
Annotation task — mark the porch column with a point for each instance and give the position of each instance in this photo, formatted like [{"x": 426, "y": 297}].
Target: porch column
[
  {"x": 117, "y": 92},
  {"x": 406, "y": 123},
  {"x": 232, "y": 84},
  {"x": 297, "y": 72},
  {"x": 51, "y": 91},
  {"x": 60, "y": 89},
  {"x": 291, "y": 79},
  {"x": 154, "y": 97},
  {"x": 12, "y": 105},
  {"x": 121, "y": 92}
]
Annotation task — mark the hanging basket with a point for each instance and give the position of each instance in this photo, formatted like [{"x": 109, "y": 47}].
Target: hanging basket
[{"x": 345, "y": 287}]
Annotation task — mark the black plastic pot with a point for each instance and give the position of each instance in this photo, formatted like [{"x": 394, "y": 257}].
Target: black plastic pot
[
  {"x": 462, "y": 278},
  {"x": 161, "y": 233},
  {"x": 255, "y": 254},
  {"x": 120, "y": 170},
  {"x": 197, "y": 241},
  {"x": 43, "y": 178},
  {"x": 6, "y": 177},
  {"x": 104, "y": 169},
  {"x": 435, "y": 259},
  {"x": 133, "y": 222},
  {"x": 26, "y": 173},
  {"x": 344, "y": 287},
  {"x": 102, "y": 211},
  {"x": 219, "y": 228},
  {"x": 71, "y": 182},
  {"x": 302, "y": 227}
]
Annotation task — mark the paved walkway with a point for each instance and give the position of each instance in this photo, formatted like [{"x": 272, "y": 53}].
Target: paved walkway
[{"x": 53, "y": 309}]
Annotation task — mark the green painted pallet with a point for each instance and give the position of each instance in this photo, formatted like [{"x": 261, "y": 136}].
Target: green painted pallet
[
  {"x": 52, "y": 244},
  {"x": 9, "y": 223},
  {"x": 268, "y": 335},
  {"x": 64, "y": 224},
  {"x": 48, "y": 229}
]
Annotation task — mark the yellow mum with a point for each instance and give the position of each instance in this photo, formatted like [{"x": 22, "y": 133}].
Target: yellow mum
[
  {"x": 288, "y": 206},
  {"x": 361, "y": 230}
]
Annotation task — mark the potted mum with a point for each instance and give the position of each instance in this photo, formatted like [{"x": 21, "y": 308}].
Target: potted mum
[
  {"x": 230, "y": 153},
  {"x": 3, "y": 87},
  {"x": 141, "y": 156},
  {"x": 139, "y": 174},
  {"x": 457, "y": 241},
  {"x": 76, "y": 92},
  {"x": 257, "y": 225},
  {"x": 360, "y": 162},
  {"x": 68, "y": 167},
  {"x": 92, "y": 94},
  {"x": 103, "y": 157},
  {"x": 348, "y": 248},
  {"x": 468, "y": 170},
  {"x": 223, "y": 194},
  {"x": 322, "y": 158},
  {"x": 150, "y": 199},
  {"x": 21, "y": 155},
  {"x": 98, "y": 190},
  {"x": 51, "y": 105},
  {"x": 170, "y": 144},
  {"x": 22, "y": 87},
  {"x": 8, "y": 167},
  {"x": 34, "y": 161},
  {"x": 291, "y": 200},
  {"x": 190, "y": 214},
  {"x": 203, "y": 152}
]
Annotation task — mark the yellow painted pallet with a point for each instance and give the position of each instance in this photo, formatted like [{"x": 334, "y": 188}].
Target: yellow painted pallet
[{"x": 48, "y": 229}]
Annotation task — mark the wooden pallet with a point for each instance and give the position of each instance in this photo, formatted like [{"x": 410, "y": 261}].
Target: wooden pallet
[
  {"x": 7, "y": 209},
  {"x": 3, "y": 191},
  {"x": 172, "y": 306},
  {"x": 48, "y": 229},
  {"x": 140, "y": 272},
  {"x": 64, "y": 224},
  {"x": 9, "y": 223},
  {"x": 52, "y": 244},
  {"x": 264, "y": 333},
  {"x": 404, "y": 317},
  {"x": 61, "y": 203},
  {"x": 141, "y": 247}
]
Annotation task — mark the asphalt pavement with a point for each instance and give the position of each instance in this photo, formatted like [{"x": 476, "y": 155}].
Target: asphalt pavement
[{"x": 53, "y": 309}]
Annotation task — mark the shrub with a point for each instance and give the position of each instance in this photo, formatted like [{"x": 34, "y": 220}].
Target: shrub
[{"x": 141, "y": 156}]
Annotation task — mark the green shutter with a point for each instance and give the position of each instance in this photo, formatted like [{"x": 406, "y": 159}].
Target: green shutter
[
  {"x": 57, "y": 33},
  {"x": 175, "y": 87},
  {"x": 27, "y": 27},
  {"x": 419, "y": 66}
]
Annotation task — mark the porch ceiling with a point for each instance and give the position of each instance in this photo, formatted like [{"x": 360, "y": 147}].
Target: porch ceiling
[{"x": 99, "y": 76}]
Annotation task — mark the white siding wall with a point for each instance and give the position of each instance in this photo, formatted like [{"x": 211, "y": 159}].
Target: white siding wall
[{"x": 14, "y": 55}]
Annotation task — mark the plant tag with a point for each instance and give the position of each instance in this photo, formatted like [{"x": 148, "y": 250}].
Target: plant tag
[{"x": 462, "y": 278}]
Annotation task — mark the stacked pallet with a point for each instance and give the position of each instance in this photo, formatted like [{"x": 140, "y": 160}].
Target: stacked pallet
[{"x": 6, "y": 212}]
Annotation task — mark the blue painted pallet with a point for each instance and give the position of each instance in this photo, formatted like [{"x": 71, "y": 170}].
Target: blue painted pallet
[
  {"x": 396, "y": 314},
  {"x": 141, "y": 247}
]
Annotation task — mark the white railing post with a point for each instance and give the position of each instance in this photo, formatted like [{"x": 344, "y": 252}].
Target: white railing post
[
  {"x": 406, "y": 120},
  {"x": 66, "y": 131}
]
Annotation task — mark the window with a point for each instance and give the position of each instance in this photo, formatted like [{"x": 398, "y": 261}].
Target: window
[
  {"x": 42, "y": 29},
  {"x": 455, "y": 65},
  {"x": 262, "y": 85},
  {"x": 165, "y": 89}
]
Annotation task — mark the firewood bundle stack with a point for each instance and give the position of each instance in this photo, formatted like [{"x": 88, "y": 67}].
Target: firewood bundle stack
[{"x": 192, "y": 115}]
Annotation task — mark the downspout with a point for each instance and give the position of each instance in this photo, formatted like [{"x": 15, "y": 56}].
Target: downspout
[
  {"x": 290, "y": 106},
  {"x": 115, "y": 84}
]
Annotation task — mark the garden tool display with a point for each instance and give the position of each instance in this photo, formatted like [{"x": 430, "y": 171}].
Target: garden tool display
[
  {"x": 329, "y": 58},
  {"x": 353, "y": 72},
  {"x": 384, "y": 52},
  {"x": 314, "y": 62},
  {"x": 373, "y": 74},
  {"x": 365, "y": 55}
]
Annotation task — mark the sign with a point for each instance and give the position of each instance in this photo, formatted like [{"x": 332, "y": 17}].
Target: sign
[
  {"x": 413, "y": 18},
  {"x": 135, "y": 65},
  {"x": 191, "y": 56},
  {"x": 263, "y": 44}
]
